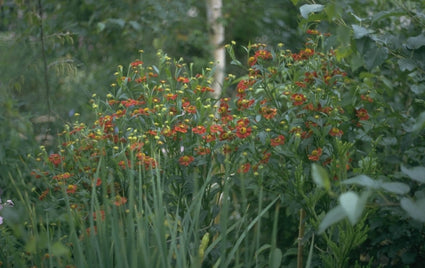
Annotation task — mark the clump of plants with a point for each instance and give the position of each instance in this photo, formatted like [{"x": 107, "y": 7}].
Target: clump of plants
[{"x": 168, "y": 176}]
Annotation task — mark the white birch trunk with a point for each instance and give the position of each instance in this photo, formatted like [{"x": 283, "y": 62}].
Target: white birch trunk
[{"x": 216, "y": 39}]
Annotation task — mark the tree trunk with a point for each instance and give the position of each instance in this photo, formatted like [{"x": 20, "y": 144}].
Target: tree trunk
[{"x": 216, "y": 40}]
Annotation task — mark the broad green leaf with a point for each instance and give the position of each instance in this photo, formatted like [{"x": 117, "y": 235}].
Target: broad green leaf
[
  {"x": 396, "y": 187},
  {"x": 295, "y": 2},
  {"x": 406, "y": 64},
  {"x": 305, "y": 10},
  {"x": 360, "y": 31},
  {"x": 375, "y": 56},
  {"x": 276, "y": 258},
  {"x": 333, "y": 216},
  {"x": 58, "y": 249},
  {"x": 416, "y": 210},
  {"x": 415, "y": 173},
  {"x": 362, "y": 180},
  {"x": 320, "y": 176},
  {"x": 419, "y": 124},
  {"x": 416, "y": 42},
  {"x": 349, "y": 202}
]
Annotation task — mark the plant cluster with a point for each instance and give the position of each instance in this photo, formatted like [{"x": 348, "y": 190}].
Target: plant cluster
[{"x": 166, "y": 168}]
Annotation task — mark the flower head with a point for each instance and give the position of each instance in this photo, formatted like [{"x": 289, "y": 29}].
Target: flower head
[{"x": 185, "y": 160}]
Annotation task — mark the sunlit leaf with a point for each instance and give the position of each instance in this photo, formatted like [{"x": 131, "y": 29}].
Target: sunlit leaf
[
  {"x": 416, "y": 210},
  {"x": 306, "y": 10},
  {"x": 320, "y": 176},
  {"x": 415, "y": 173},
  {"x": 276, "y": 258},
  {"x": 333, "y": 216},
  {"x": 416, "y": 42},
  {"x": 396, "y": 187},
  {"x": 360, "y": 31},
  {"x": 362, "y": 180},
  {"x": 352, "y": 206}
]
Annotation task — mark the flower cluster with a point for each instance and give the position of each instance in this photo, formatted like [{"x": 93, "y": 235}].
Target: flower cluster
[{"x": 289, "y": 108}]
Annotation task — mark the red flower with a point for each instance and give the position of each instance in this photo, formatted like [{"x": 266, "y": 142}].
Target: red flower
[
  {"x": 136, "y": 63},
  {"x": 315, "y": 154},
  {"x": 216, "y": 128},
  {"x": 71, "y": 189},
  {"x": 268, "y": 113},
  {"x": 243, "y": 132},
  {"x": 263, "y": 54},
  {"x": 362, "y": 114},
  {"x": 182, "y": 128},
  {"x": 279, "y": 140},
  {"x": 199, "y": 130},
  {"x": 190, "y": 109},
  {"x": 183, "y": 79},
  {"x": 120, "y": 200},
  {"x": 202, "y": 150},
  {"x": 171, "y": 96},
  {"x": 56, "y": 159},
  {"x": 185, "y": 160},
  {"x": 101, "y": 213},
  {"x": 209, "y": 138},
  {"x": 298, "y": 99},
  {"x": 244, "y": 168},
  {"x": 336, "y": 132}
]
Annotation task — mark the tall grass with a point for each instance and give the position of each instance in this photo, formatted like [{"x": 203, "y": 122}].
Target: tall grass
[{"x": 147, "y": 231}]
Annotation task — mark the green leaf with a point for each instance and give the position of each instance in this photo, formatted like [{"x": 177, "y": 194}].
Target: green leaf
[
  {"x": 333, "y": 216},
  {"x": 320, "y": 176},
  {"x": 396, "y": 187},
  {"x": 360, "y": 31},
  {"x": 276, "y": 258},
  {"x": 58, "y": 249},
  {"x": 415, "y": 173},
  {"x": 418, "y": 125},
  {"x": 362, "y": 180},
  {"x": 375, "y": 56},
  {"x": 416, "y": 210},
  {"x": 406, "y": 64},
  {"x": 350, "y": 203},
  {"x": 306, "y": 10},
  {"x": 416, "y": 42}
]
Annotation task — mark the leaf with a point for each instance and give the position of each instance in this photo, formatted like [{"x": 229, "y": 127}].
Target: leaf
[
  {"x": 276, "y": 258},
  {"x": 375, "y": 56},
  {"x": 418, "y": 125},
  {"x": 416, "y": 210},
  {"x": 416, "y": 42},
  {"x": 415, "y": 173},
  {"x": 396, "y": 187},
  {"x": 58, "y": 249},
  {"x": 406, "y": 64},
  {"x": 349, "y": 203},
  {"x": 333, "y": 216},
  {"x": 306, "y": 10},
  {"x": 320, "y": 176},
  {"x": 362, "y": 180},
  {"x": 360, "y": 31}
]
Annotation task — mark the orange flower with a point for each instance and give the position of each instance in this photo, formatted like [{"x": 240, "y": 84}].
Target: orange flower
[
  {"x": 216, "y": 128},
  {"x": 71, "y": 189},
  {"x": 56, "y": 159},
  {"x": 362, "y": 114},
  {"x": 202, "y": 150},
  {"x": 279, "y": 140},
  {"x": 268, "y": 113},
  {"x": 336, "y": 132},
  {"x": 243, "y": 132},
  {"x": 182, "y": 128},
  {"x": 183, "y": 79},
  {"x": 136, "y": 63},
  {"x": 120, "y": 200},
  {"x": 315, "y": 154},
  {"x": 298, "y": 99},
  {"x": 185, "y": 160},
  {"x": 244, "y": 168},
  {"x": 199, "y": 130}
]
